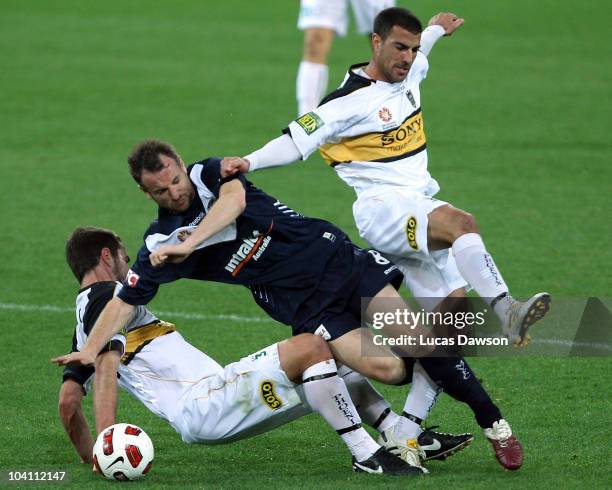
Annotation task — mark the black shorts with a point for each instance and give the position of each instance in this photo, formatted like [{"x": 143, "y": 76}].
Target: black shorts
[{"x": 334, "y": 308}]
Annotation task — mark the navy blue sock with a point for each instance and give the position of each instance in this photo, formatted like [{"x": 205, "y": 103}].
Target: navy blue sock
[{"x": 455, "y": 377}]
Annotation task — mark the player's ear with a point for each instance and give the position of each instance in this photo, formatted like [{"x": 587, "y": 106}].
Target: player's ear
[
  {"x": 106, "y": 255},
  {"x": 376, "y": 41}
]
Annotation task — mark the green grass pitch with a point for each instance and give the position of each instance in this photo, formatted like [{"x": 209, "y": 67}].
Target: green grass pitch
[{"x": 515, "y": 103}]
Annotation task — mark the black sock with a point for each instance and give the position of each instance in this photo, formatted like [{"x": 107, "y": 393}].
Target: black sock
[{"x": 455, "y": 377}]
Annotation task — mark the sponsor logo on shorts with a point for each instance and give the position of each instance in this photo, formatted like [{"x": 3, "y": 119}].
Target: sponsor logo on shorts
[
  {"x": 390, "y": 269},
  {"x": 411, "y": 232},
  {"x": 329, "y": 236},
  {"x": 268, "y": 395},
  {"x": 321, "y": 331},
  {"x": 257, "y": 355},
  {"x": 132, "y": 278},
  {"x": 310, "y": 122}
]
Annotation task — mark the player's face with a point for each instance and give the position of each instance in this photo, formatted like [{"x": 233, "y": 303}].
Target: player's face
[
  {"x": 120, "y": 265},
  {"x": 394, "y": 55},
  {"x": 169, "y": 187}
]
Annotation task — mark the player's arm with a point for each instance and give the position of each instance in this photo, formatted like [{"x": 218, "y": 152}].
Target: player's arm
[
  {"x": 230, "y": 205},
  {"x": 105, "y": 389},
  {"x": 114, "y": 317},
  {"x": 442, "y": 24},
  {"x": 74, "y": 422},
  {"x": 280, "y": 151}
]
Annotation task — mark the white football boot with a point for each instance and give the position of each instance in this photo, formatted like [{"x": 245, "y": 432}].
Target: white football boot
[
  {"x": 521, "y": 315},
  {"x": 409, "y": 450}
]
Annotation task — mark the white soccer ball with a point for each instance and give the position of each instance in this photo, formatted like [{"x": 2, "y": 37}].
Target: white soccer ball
[{"x": 123, "y": 452}]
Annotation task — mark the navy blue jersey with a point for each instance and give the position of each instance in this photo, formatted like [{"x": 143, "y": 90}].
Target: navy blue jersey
[{"x": 269, "y": 248}]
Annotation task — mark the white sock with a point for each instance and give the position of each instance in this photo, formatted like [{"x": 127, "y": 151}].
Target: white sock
[
  {"x": 421, "y": 398},
  {"x": 373, "y": 409},
  {"x": 310, "y": 85},
  {"x": 327, "y": 394},
  {"x": 478, "y": 268}
]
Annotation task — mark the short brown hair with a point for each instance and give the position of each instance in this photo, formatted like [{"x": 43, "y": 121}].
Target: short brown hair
[
  {"x": 145, "y": 156},
  {"x": 85, "y": 245},
  {"x": 396, "y": 16}
]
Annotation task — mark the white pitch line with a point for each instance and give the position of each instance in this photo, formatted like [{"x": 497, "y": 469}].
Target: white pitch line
[
  {"x": 169, "y": 314},
  {"x": 259, "y": 319},
  {"x": 570, "y": 343}
]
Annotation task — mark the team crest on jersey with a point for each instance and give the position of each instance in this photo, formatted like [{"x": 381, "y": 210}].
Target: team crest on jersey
[
  {"x": 183, "y": 234},
  {"x": 268, "y": 395},
  {"x": 132, "y": 278},
  {"x": 411, "y": 98},
  {"x": 310, "y": 122},
  {"x": 385, "y": 114},
  {"x": 411, "y": 232}
]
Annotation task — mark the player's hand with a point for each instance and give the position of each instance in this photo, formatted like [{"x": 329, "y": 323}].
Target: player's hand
[
  {"x": 449, "y": 21},
  {"x": 170, "y": 253},
  {"x": 82, "y": 358},
  {"x": 232, "y": 165}
]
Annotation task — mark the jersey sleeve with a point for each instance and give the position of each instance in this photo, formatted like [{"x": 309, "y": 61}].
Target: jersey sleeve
[
  {"x": 420, "y": 67},
  {"x": 80, "y": 374},
  {"x": 325, "y": 123},
  {"x": 95, "y": 306},
  {"x": 142, "y": 281},
  {"x": 208, "y": 174}
]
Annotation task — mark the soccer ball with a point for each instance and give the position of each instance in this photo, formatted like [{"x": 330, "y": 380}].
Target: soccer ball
[{"x": 123, "y": 452}]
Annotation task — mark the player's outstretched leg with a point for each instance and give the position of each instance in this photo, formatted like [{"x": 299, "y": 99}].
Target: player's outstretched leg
[
  {"x": 451, "y": 226},
  {"x": 455, "y": 377},
  {"x": 375, "y": 411},
  {"x": 407, "y": 439},
  {"x": 306, "y": 358}
]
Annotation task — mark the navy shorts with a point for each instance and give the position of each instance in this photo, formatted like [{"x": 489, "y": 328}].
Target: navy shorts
[{"x": 335, "y": 306}]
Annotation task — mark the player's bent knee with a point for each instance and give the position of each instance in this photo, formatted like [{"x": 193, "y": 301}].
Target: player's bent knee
[
  {"x": 466, "y": 223},
  {"x": 388, "y": 370},
  {"x": 317, "y": 43},
  {"x": 67, "y": 406},
  {"x": 300, "y": 352},
  {"x": 315, "y": 348}
]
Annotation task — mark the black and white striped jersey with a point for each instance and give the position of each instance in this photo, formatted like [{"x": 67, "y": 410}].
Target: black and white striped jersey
[{"x": 90, "y": 302}]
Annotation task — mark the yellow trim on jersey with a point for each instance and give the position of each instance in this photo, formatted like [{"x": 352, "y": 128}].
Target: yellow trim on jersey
[
  {"x": 407, "y": 139},
  {"x": 135, "y": 338}
]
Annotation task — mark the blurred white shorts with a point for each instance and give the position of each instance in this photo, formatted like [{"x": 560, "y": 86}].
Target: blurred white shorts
[{"x": 333, "y": 14}]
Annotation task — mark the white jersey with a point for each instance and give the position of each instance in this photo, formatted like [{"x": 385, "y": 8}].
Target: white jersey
[
  {"x": 202, "y": 400},
  {"x": 371, "y": 132}
]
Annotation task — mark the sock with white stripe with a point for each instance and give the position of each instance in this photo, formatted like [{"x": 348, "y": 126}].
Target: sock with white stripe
[
  {"x": 373, "y": 409},
  {"x": 478, "y": 268},
  {"x": 310, "y": 85},
  {"x": 421, "y": 398},
  {"x": 327, "y": 394}
]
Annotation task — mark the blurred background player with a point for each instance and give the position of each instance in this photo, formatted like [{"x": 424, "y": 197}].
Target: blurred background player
[
  {"x": 321, "y": 20},
  {"x": 203, "y": 401}
]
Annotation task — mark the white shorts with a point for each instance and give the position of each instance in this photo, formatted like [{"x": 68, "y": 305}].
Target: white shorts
[
  {"x": 249, "y": 397},
  {"x": 395, "y": 223},
  {"x": 332, "y": 14}
]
